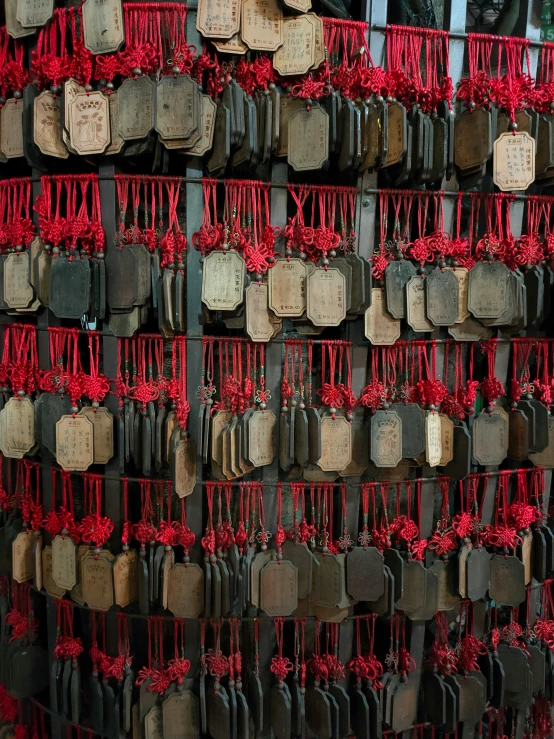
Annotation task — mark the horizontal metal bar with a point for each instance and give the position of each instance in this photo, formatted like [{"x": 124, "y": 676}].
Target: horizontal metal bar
[{"x": 462, "y": 36}]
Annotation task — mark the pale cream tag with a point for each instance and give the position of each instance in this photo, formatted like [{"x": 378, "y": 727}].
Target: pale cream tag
[
  {"x": 11, "y": 136},
  {"x": 89, "y": 129},
  {"x": 102, "y": 434},
  {"x": 514, "y": 161},
  {"x": 415, "y": 302},
  {"x": 262, "y": 24},
  {"x": 18, "y": 291},
  {"x": 74, "y": 443},
  {"x": 462, "y": 275},
  {"x": 205, "y": 143},
  {"x": 326, "y": 304},
  {"x": 380, "y": 327},
  {"x": 447, "y": 439},
  {"x": 217, "y": 19},
  {"x": 125, "y": 578},
  {"x": 336, "y": 444},
  {"x": 297, "y": 53},
  {"x": 47, "y": 579},
  {"x": 47, "y": 127},
  {"x": 433, "y": 439},
  {"x": 319, "y": 43},
  {"x": 262, "y": 428},
  {"x": 64, "y": 562},
  {"x": 234, "y": 45},
  {"x": 18, "y": 427},
  {"x": 223, "y": 280},
  {"x": 287, "y": 288},
  {"x": 258, "y": 321},
  {"x": 103, "y": 26},
  {"x": 308, "y": 138},
  {"x": 22, "y": 556},
  {"x": 287, "y": 106}
]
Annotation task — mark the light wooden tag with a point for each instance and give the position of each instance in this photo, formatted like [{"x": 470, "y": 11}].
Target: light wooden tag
[
  {"x": 103, "y": 26},
  {"x": 206, "y": 140},
  {"x": 13, "y": 26},
  {"x": 33, "y": 13},
  {"x": 22, "y": 556},
  {"x": 47, "y": 129},
  {"x": 47, "y": 579},
  {"x": 319, "y": 42},
  {"x": 135, "y": 108},
  {"x": 64, "y": 562},
  {"x": 462, "y": 275},
  {"x": 18, "y": 427},
  {"x": 415, "y": 302},
  {"x": 470, "y": 330},
  {"x": 234, "y": 45},
  {"x": 433, "y": 439},
  {"x": 70, "y": 88},
  {"x": 258, "y": 324},
  {"x": 153, "y": 723},
  {"x": 514, "y": 161},
  {"x": 218, "y": 20},
  {"x": 11, "y": 135},
  {"x": 176, "y": 101},
  {"x": 262, "y": 24},
  {"x": 262, "y": 445},
  {"x": 223, "y": 280},
  {"x": 336, "y": 444},
  {"x": 102, "y": 423},
  {"x": 125, "y": 578},
  {"x": 43, "y": 270},
  {"x": 302, "y": 6},
  {"x": 447, "y": 439},
  {"x": 116, "y": 140},
  {"x": 326, "y": 304},
  {"x": 89, "y": 128},
  {"x": 287, "y": 107},
  {"x": 185, "y": 467},
  {"x": 279, "y": 588},
  {"x": 287, "y": 288},
  {"x": 297, "y": 53},
  {"x": 98, "y": 582},
  {"x": 185, "y": 597},
  {"x": 386, "y": 439},
  {"x": 18, "y": 291},
  {"x": 308, "y": 138},
  {"x": 74, "y": 443},
  {"x": 380, "y": 327},
  {"x": 546, "y": 457}
]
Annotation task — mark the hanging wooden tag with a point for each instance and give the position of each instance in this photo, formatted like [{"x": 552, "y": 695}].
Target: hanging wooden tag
[
  {"x": 136, "y": 108},
  {"x": 47, "y": 129},
  {"x": 462, "y": 275},
  {"x": 181, "y": 716},
  {"x": 103, "y": 27},
  {"x": 184, "y": 467},
  {"x": 125, "y": 578},
  {"x": 490, "y": 438},
  {"x": 326, "y": 297},
  {"x": 223, "y": 280},
  {"x": 102, "y": 424},
  {"x": 518, "y": 435},
  {"x": 69, "y": 287},
  {"x": 14, "y": 28},
  {"x": 413, "y": 418},
  {"x": 397, "y": 138},
  {"x": 116, "y": 140},
  {"x": 205, "y": 142},
  {"x": 22, "y": 557},
  {"x": 514, "y": 161},
  {"x": 258, "y": 324},
  {"x": 37, "y": 561},
  {"x": 18, "y": 291},
  {"x": 477, "y": 573},
  {"x": 472, "y": 138},
  {"x": 176, "y": 107},
  {"x": 33, "y": 13},
  {"x": 11, "y": 132},
  {"x": 153, "y": 723},
  {"x": 507, "y": 580},
  {"x": 185, "y": 596},
  {"x": 64, "y": 562},
  {"x": 70, "y": 88},
  {"x": 18, "y": 426},
  {"x": 262, "y": 24},
  {"x": 415, "y": 583},
  {"x": 279, "y": 588},
  {"x": 336, "y": 444},
  {"x": 234, "y": 45},
  {"x": 546, "y": 457},
  {"x": 365, "y": 578},
  {"x": 218, "y": 21},
  {"x": 332, "y": 582},
  {"x": 319, "y": 42},
  {"x": 296, "y": 55},
  {"x": 287, "y": 107},
  {"x": 470, "y": 330},
  {"x": 488, "y": 289},
  {"x": 386, "y": 439},
  {"x": 441, "y": 290},
  {"x": 380, "y": 327},
  {"x": 360, "y": 448},
  {"x": 433, "y": 439},
  {"x": 89, "y": 116},
  {"x": 287, "y": 288},
  {"x": 47, "y": 579},
  {"x": 397, "y": 275},
  {"x": 262, "y": 438},
  {"x": 447, "y": 590},
  {"x": 447, "y": 439},
  {"x": 98, "y": 582},
  {"x": 74, "y": 443},
  {"x": 308, "y": 138}
]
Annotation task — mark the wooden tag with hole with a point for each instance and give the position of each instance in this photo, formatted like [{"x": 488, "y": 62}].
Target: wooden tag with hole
[
  {"x": 218, "y": 20},
  {"x": 103, "y": 28},
  {"x": 380, "y": 327},
  {"x": 262, "y": 441},
  {"x": 223, "y": 280},
  {"x": 262, "y": 24},
  {"x": 18, "y": 427},
  {"x": 287, "y": 288},
  {"x": 433, "y": 439},
  {"x": 89, "y": 127},
  {"x": 326, "y": 293},
  {"x": 33, "y": 13},
  {"x": 74, "y": 443},
  {"x": 297, "y": 53},
  {"x": 308, "y": 138},
  {"x": 98, "y": 582},
  {"x": 135, "y": 108},
  {"x": 514, "y": 161},
  {"x": 336, "y": 444}
]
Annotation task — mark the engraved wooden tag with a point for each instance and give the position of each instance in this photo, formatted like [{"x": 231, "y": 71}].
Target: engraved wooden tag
[
  {"x": 470, "y": 330},
  {"x": 507, "y": 580},
  {"x": 47, "y": 579},
  {"x": 98, "y": 582},
  {"x": 184, "y": 466},
  {"x": 64, "y": 562},
  {"x": 223, "y": 280},
  {"x": 319, "y": 42},
  {"x": 262, "y": 441},
  {"x": 125, "y": 578},
  {"x": 185, "y": 594},
  {"x": 262, "y": 24},
  {"x": 462, "y": 275},
  {"x": 472, "y": 138},
  {"x": 433, "y": 440},
  {"x": 32, "y": 13},
  {"x": 234, "y": 45},
  {"x": 326, "y": 305},
  {"x": 380, "y": 327},
  {"x": 102, "y": 423},
  {"x": 47, "y": 129},
  {"x": 447, "y": 439},
  {"x": 18, "y": 291},
  {"x": 218, "y": 20},
  {"x": 181, "y": 716},
  {"x": 22, "y": 557},
  {"x": 488, "y": 289},
  {"x": 153, "y": 723},
  {"x": 441, "y": 289},
  {"x": 135, "y": 100},
  {"x": 206, "y": 140},
  {"x": 258, "y": 322},
  {"x": 416, "y": 311},
  {"x": 279, "y": 588},
  {"x": 18, "y": 427},
  {"x": 74, "y": 443},
  {"x": 546, "y": 457},
  {"x": 518, "y": 435},
  {"x": 103, "y": 27},
  {"x": 397, "y": 133},
  {"x": 287, "y": 288},
  {"x": 336, "y": 444},
  {"x": 308, "y": 138},
  {"x": 302, "y": 6},
  {"x": 11, "y": 134},
  {"x": 514, "y": 161},
  {"x": 287, "y": 107},
  {"x": 386, "y": 439},
  {"x": 89, "y": 129},
  {"x": 490, "y": 438},
  {"x": 176, "y": 107},
  {"x": 116, "y": 141},
  {"x": 13, "y": 26},
  {"x": 297, "y": 53}
]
